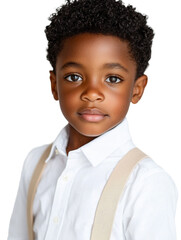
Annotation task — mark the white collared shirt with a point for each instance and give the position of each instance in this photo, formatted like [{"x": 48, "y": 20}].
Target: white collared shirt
[{"x": 68, "y": 193}]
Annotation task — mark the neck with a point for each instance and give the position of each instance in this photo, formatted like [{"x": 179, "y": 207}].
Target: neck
[{"x": 76, "y": 139}]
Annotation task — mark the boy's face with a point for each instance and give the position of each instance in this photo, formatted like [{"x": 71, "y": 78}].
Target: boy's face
[{"x": 95, "y": 92}]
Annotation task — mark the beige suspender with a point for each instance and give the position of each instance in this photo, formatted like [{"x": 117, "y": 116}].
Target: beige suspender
[
  {"x": 32, "y": 189},
  {"x": 106, "y": 208},
  {"x": 111, "y": 194}
]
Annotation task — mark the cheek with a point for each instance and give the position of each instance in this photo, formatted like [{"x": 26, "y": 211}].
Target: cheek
[
  {"x": 68, "y": 101},
  {"x": 120, "y": 103},
  {"x": 120, "y": 98}
]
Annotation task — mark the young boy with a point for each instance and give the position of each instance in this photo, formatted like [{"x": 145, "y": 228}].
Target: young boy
[{"x": 99, "y": 51}]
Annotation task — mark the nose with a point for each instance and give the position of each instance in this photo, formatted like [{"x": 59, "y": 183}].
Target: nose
[{"x": 92, "y": 94}]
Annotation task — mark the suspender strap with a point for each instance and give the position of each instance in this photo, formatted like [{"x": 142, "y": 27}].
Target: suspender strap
[
  {"x": 106, "y": 208},
  {"x": 33, "y": 187},
  {"x": 111, "y": 194}
]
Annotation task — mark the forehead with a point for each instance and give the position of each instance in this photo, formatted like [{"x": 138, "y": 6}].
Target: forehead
[{"x": 94, "y": 50}]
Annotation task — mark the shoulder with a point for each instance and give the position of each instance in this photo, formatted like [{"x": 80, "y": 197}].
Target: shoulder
[
  {"x": 148, "y": 168},
  {"x": 30, "y": 163},
  {"x": 34, "y": 156},
  {"x": 149, "y": 176},
  {"x": 150, "y": 200}
]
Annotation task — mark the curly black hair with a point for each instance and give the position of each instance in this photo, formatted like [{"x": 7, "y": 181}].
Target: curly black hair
[{"x": 108, "y": 17}]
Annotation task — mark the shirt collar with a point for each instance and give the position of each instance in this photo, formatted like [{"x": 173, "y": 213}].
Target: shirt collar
[
  {"x": 102, "y": 146},
  {"x": 60, "y": 143},
  {"x": 99, "y": 148}
]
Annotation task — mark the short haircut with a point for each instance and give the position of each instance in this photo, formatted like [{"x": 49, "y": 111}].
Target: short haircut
[{"x": 108, "y": 17}]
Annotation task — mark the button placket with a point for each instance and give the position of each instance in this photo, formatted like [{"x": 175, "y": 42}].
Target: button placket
[
  {"x": 63, "y": 189},
  {"x": 58, "y": 207}
]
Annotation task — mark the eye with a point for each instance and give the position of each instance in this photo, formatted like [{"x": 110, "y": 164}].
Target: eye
[
  {"x": 73, "y": 78},
  {"x": 114, "y": 79}
]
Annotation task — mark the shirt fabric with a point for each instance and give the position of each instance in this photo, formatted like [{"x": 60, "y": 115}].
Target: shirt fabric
[{"x": 70, "y": 188}]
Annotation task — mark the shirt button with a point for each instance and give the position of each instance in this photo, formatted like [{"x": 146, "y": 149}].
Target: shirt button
[
  {"x": 56, "y": 151},
  {"x": 56, "y": 220},
  {"x": 65, "y": 178}
]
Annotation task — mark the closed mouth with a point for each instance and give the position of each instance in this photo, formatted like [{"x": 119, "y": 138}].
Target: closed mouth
[
  {"x": 92, "y": 115},
  {"x": 92, "y": 111}
]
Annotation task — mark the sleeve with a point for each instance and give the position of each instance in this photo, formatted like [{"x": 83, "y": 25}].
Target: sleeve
[
  {"x": 153, "y": 209},
  {"x": 18, "y": 223},
  {"x": 18, "y": 226}
]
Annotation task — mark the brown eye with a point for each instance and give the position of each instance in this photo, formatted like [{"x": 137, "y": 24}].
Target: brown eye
[
  {"x": 114, "y": 79},
  {"x": 73, "y": 78}
]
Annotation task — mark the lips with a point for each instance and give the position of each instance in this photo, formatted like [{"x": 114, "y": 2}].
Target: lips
[
  {"x": 92, "y": 115},
  {"x": 92, "y": 111}
]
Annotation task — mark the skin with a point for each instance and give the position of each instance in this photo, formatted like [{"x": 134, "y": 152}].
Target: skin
[{"x": 111, "y": 90}]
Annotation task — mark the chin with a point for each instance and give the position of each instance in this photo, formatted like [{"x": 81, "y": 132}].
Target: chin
[{"x": 91, "y": 134}]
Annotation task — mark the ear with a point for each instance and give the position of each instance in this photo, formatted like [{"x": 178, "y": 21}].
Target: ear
[
  {"x": 53, "y": 85},
  {"x": 138, "y": 89}
]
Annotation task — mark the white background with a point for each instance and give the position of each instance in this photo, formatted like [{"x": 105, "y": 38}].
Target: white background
[{"x": 30, "y": 117}]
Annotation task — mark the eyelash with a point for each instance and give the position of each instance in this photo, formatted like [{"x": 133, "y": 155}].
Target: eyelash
[
  {"x": 71, "y": 75},
  {"x": 121, "y": 80}
]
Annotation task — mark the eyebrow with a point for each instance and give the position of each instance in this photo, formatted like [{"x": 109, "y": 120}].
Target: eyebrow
[
  {"x": 71, "y": 64},
  {"x": 106, "y": 65},
  {"x": 115, "y": 65}
]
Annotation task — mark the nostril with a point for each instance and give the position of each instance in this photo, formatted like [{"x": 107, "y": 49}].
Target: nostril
[{"x": 92, "y": 95}]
